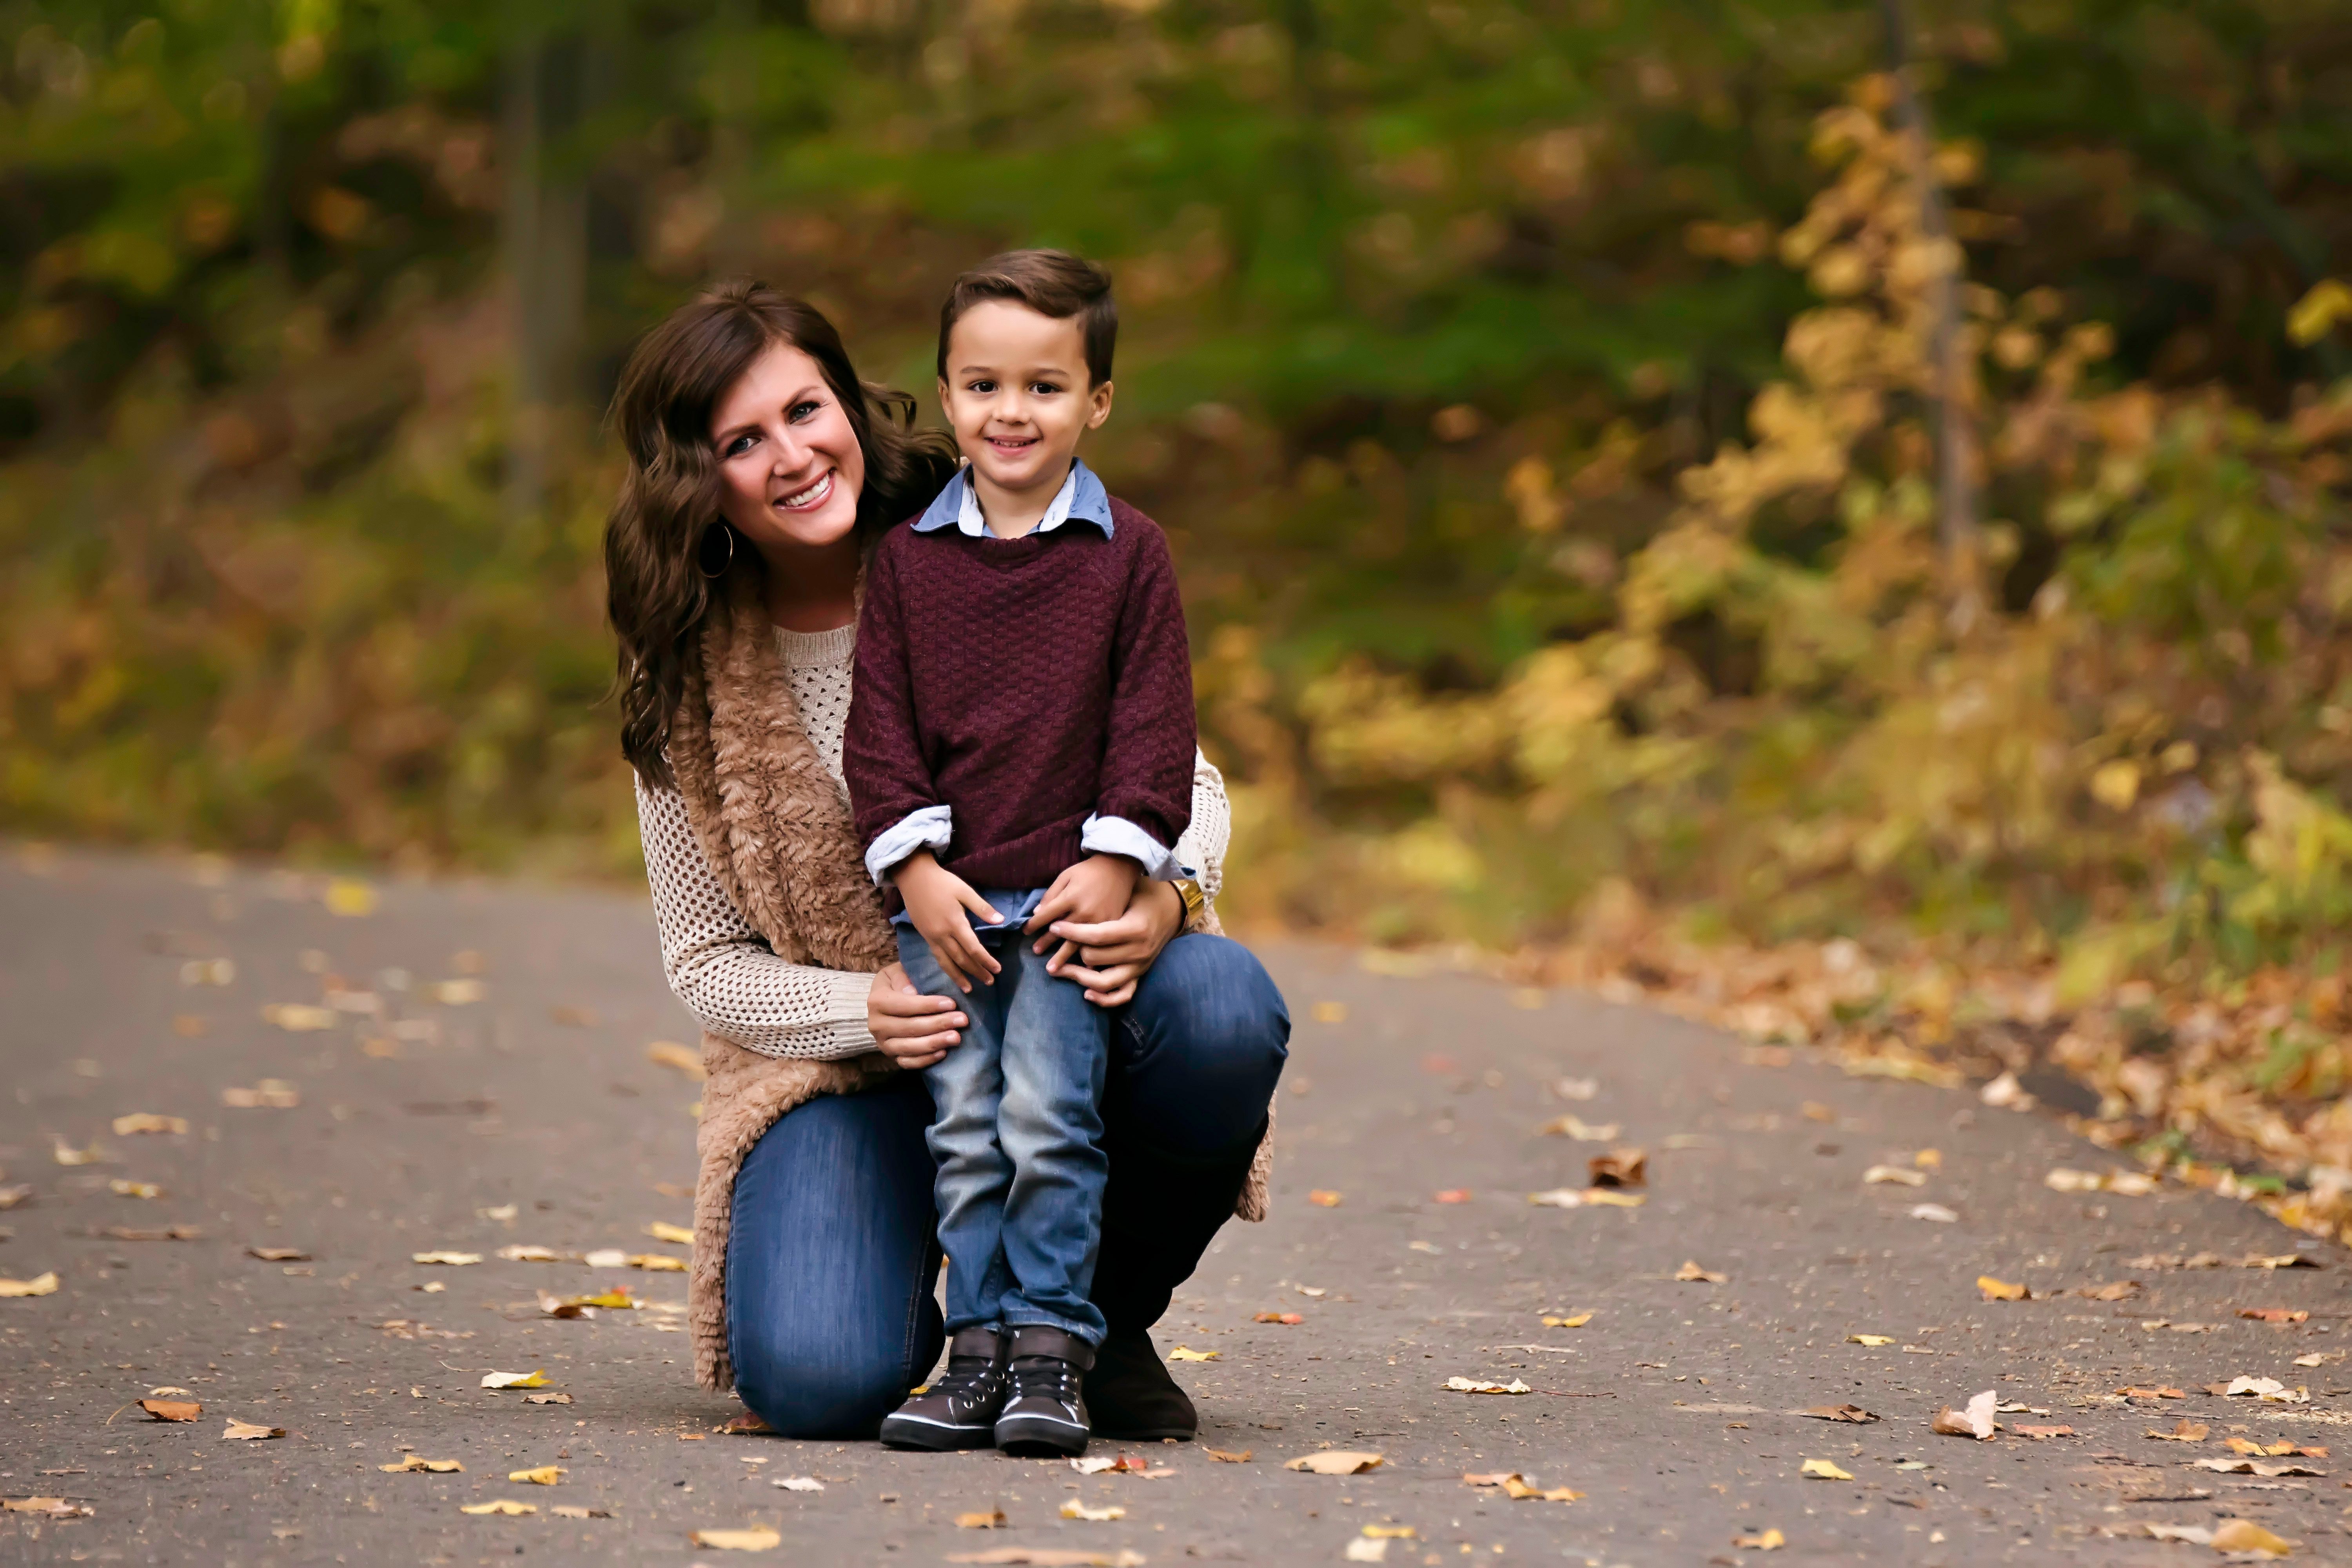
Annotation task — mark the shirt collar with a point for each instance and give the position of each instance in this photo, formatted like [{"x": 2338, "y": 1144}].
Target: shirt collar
[{"x": 1082, "y": 496}]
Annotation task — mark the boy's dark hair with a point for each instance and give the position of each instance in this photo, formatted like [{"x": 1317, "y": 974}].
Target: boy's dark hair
[{"x": 1051, "y": 283}]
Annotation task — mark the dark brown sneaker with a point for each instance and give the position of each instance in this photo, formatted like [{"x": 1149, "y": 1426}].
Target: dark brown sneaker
[
  {"x": 1045, "y": 1413},
  {"x": 958, "y": 1409}
]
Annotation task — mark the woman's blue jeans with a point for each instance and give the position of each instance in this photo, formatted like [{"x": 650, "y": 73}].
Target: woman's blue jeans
[{"x": 833, "y": 1250}]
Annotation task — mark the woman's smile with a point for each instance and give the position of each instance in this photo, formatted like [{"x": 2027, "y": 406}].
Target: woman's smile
[{"x": 809, "y": 497}]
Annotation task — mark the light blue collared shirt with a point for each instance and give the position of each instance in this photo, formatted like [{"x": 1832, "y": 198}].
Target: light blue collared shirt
[{"x": 1082, "y": 496}]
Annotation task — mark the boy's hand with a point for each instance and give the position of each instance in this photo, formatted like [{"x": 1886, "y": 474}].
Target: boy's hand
[
  {"x": 935, "y": 901},
  {"x": 1096, "y": 888}
]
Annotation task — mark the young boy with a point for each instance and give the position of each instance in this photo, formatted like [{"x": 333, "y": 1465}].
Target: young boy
[{"x": 1019, "y": 751}]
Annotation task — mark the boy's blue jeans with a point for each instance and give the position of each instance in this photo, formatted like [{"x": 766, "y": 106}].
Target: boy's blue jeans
[{"x": 1016, "y": 1130}]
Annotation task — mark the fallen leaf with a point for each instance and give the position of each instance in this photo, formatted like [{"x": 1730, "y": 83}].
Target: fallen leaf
[
  {"x": 270, "y": 1093},
  {"x": 2157, "y": 1392},
  {"x": 499, "y": 1505},
  {"x": 798, "y": 1483},
  {"x": 40, "y": 1284},
  {"x": 1453, "y": 1196},
  {"x": 2187, "y": 1534},
  {"x": 662, "y": 1231},
  {"x": 2268, "y": 1389},
  {"x": 680, "y": 1058},
  {"x": 1619, "y": 1168},
  {"x": 453, "y": 1260},
  {"x": 1581, "y": 1130},
  {"x": 1225, "y": 1457},
  {"x": 154, "y": 1233},
  {"x": 1936, "y": 1213},
  {"x": 527, "y": 1252},
  {"x": 1471, "y": 1385},
  {"x": 2184, "y": 1431},
  {"x": 1824, "y": 1470},
  {"x": 1323, "y": 1198},
  {"x": 298, "y": 1017},
  {"x": 1516, "y": 1489},
  {"x": 1575, "y": 1089},
  {"x": 349, "y": 899},
  {"x": 2245, "y": 1535},
  {"x": 2005, "y": 1093},
  {"x": 1329, "y": 1012},
  {"x": 1051, "y": 1557},
  {"x": 65, "y": 1154},
  {"x": 1334, "y": 1462},
  {"x": 1869, "y": 1339},
  {"x": 1073, "y": 1509},
  {"x": 657, "y": 1263},
  {"x": 456, "y": 993},
  {"x": 992, "y": 1520},
  {"x": 2043, "y": 1434},
  {"x": 547, "y": 1399},
  {"x": 2115, "y": 1291},
  {"x": 2279, "y": 1260},
  {"x": 759, "y": 1538},
  {"x": 2244, "y": 1467},
  {"x": 2274, "y": 1314},
  {"x": 147, "y": 1121},
  {"x": 249, "y": 1430},
  {"x": 11, "y": 1197},
  {"x": 1898, "y": 1175},
  {"x": 51, "y": 1507},
  {"x": 168, "y": 1391},
  {"x": 1181, "y": 1353},
  {"x": 545, "y": 1476},
  {"x": 1691, "y": 1272},
  {"x": 1291, "y": 1318},
  {"x": 575, "y": 1511},
  {"x": 171, "y": 1409},
  {"x": 515, "y": 1379},
  {"x": 1363, "y": 1550},
  {"x": 1769, "y": 1540},
  {"x": 1974, "y": 1421},
  {"x": 1854, "y": 1413},
  {"x": 745, "y": 1423},
  {"x": 278, "y": 1254},
  {"x": 606, "y": 1257},
  {"x": 2001, "y": 1289},
  {"x": 1578, "y": 1322},
  {"x": 416, "y": 1462}
]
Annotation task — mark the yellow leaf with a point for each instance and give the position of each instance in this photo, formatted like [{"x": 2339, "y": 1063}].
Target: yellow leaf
[
  {"x": 1825, "y": 1470},
  {"x": 1181, "y": 1353},
  {"x": 499, "y": 1505},
  {"x": 1227, "y": 1457},
  {"x": 418, "y": 1462},
  {"x": 2001, "y": 1289},
  {"x": 1323, "y": 1198},
  {"x": 40, "y": 1284},
  {"x": 249, "y": 1430},
  {"x": 1690, "y": 1272},
  {"x": 2316, "y": 313},
  {"x": 992, "y": 1518},
  {"x": 662, "y": 1231},
  {"x": 1389, "y": 1532},
  {"x": 65, "y": 1154},
  {"x": 453, "y": 1260},
  {"x": 1609, "y": 1198},
  {"x": 1868, "y": 1340},
  {"x": 123, "y": 1189},
  {"x": 1330, "y": 1012},
  {"x": 349, "y": 899},
  {"x": 679, "y": 1058},
  {"x": 1335, "y": 1462},
  {"x": 545, "y": 1476},
  {"x": 298, "y": 1017},
  {"x": 537, "y": 1379},
  {"x": 1769, "y": 1540},
  {"x": 1577, "y": 1322},
  {"x": 148, "y": 1122},
  {"x": 1073, "y": 1509},
  {"x": 456, "y": 993},
  {"x": 659, "y": 1263},
  {"x": 2115, "y": 784},
  {"x": 2245, "y": 1535},
  {"x": 760, "y": 1539}
]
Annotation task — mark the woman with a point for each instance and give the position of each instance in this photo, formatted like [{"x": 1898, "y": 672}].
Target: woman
[{"x": 761, "y": 469}]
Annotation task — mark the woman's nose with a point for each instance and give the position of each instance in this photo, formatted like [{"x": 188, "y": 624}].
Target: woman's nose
[{"x": 792, "y": 454}]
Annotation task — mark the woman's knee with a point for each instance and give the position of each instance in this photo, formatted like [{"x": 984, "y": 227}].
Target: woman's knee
[
  {"x": 1214, "y": 995},
  {"x": 807, "y": 1390}
]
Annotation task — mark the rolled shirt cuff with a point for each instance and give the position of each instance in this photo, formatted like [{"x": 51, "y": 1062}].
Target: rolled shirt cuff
[
  {"x": 1117, "y": 835},
  {"x": 927, "y": 828}
]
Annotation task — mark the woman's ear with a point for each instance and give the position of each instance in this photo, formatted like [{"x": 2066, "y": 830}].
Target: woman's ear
[{"x": 1099, "y": 395}]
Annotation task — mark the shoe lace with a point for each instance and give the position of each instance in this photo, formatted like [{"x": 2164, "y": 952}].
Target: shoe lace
[
  {"x": 1046, "y": 1377},
  {"x": 966, "y": 1375}
]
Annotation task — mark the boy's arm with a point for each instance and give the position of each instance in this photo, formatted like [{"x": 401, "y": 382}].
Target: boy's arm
[
  {"x": 892, "y": 800},
  {"x": 1146, "y": 799}
]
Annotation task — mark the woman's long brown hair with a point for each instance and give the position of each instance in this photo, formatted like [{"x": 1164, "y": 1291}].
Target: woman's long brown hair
[{"x": 656, "y": 594}]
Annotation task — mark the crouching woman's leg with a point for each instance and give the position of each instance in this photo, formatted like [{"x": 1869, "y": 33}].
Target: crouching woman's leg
[{"x": 830, "y": 1258}]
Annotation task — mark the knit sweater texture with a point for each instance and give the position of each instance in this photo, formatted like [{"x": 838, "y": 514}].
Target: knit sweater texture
[{"x": 1027, "y": 684}]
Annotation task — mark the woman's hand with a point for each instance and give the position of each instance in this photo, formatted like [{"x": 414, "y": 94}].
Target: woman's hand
[
  {"x": 911, "y": 1028},
  {"x": 1110, "y": 957}
]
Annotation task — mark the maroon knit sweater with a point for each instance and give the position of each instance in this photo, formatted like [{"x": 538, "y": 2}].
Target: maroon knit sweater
[{"x": 1027, "y": 684}]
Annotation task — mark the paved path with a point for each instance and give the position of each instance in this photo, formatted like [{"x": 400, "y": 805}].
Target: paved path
[{"x": 1672, "y": 1410}]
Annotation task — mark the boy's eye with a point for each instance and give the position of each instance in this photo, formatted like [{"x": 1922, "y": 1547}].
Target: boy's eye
[
  {"x": 1043, "y": 388},
  {"x": 982, "y": 386}
]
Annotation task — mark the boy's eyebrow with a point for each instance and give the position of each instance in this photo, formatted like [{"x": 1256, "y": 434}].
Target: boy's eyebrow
[{"x": 1062, "y": 370}]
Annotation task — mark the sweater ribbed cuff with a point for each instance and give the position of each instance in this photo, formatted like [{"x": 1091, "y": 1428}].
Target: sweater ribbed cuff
[{"x": 845, "y": 1012}]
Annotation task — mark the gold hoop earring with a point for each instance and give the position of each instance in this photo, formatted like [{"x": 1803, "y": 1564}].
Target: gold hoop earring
[{"x": 703, "y": 550}]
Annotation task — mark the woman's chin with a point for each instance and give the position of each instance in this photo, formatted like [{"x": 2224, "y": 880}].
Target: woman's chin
[{"x": 826, "y": 525}]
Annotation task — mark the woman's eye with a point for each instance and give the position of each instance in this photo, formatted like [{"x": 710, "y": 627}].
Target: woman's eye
[
  {"x": 740, "y": 445},
  {"x": 801, "y": 411}
]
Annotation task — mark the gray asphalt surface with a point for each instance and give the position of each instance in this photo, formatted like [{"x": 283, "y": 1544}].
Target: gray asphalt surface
[{"x": 1672, "y": 1410}]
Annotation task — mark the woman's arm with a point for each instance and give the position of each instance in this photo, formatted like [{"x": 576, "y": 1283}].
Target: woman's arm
[
  {"x": 1203, "y": 848},
  {"x": 723, "y": 970}
]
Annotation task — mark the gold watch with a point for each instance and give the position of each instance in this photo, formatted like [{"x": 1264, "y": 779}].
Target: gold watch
[{"x": 1195, "y": 900}]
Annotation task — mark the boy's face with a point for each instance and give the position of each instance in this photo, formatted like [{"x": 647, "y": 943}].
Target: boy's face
[{"x": 1017, "y": 394}]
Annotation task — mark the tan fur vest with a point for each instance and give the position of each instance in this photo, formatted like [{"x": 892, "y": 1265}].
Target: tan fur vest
[{"x": 776, "y": 831}]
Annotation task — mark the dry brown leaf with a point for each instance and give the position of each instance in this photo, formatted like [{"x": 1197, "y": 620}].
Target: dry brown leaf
[
  {"x": 49, "y": 1507},
  {"x": 38, "y": 1285},
  {"x": 2268, "y": 1389},
  {"x": 66, "y": 1154},
  {"x": 1292, "y": 1318},
  {"x": 679, "y": 1058},
  {"x": 1871, "y": 1339},
  {"x": 1768, "y": 1541},
  {"x": 528, "y": 1252},
  {"x": 994, "y": 1519},
  {"x": 1452, "y": 1195},
  {"x": 547, "y": 1399},
  {"x": 1516, "y": 1489},
  {"x": 417, "y": 1462},
  {"x": 657, "y": 1263},
  {"x": 2001, "y": 1289},
  {"x": 2043, "y": 1434},
  {"x": 575, "y": 1511},
  {"x": 249, "y": 1431},
  {"x": 148, "y": 1122},
  {"x": 1225, "y": 1457},
  {"x": 505, "y": 1505},
  {"x": 661, "y": 1230},
  {"x": 2245, "y": 1467},
  {"x": 171, "y": 1409},
  {"x": 1581, "y": 1130},
  {"x": 297, "y": 1017},
  {"x": 2115, "y": 1290},
  {"x": 543, "y": 1476},
  {"x": 745, "y": 1423},
  {"x": 278, "y": 1254},
  {"x": 1854, "y": 1413},
  {"x": 1051, "y": 1557},
  {"x": 453, "y": 1260},
  {"x": 1973, "y": 1421},
  {"x": 11, "y": 1197},
  {"x": 1323, "y": 1198},
  {"x": 2274, "y": 1314},
  {"x": 1334, "y": 1462},
  {"x": 2245, "y": 1535},
  {"x": 1073, "y": 1509},
  {"x": 154, "y": 1233},
  {"x": 2159, "y": 1391},
  {"x": 1896, "y": 1175},
  {"x": 1619, "y": 1168},
  {"x": 269, "y": 1094},
  {"x": 1690, "y": 1272},
  {"x": 1486, "y": 1385},
  {"x": 2184, "y": 1431}
]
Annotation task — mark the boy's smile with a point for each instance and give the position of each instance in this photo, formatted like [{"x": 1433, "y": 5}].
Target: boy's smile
[{"x": 1018, "y": 395}]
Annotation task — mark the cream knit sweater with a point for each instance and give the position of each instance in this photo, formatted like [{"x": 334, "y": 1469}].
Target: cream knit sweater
[{"x": 723, "y": 970}]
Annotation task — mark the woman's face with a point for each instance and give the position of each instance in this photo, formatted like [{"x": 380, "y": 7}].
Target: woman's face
[{"x": 789, "y": 461}]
